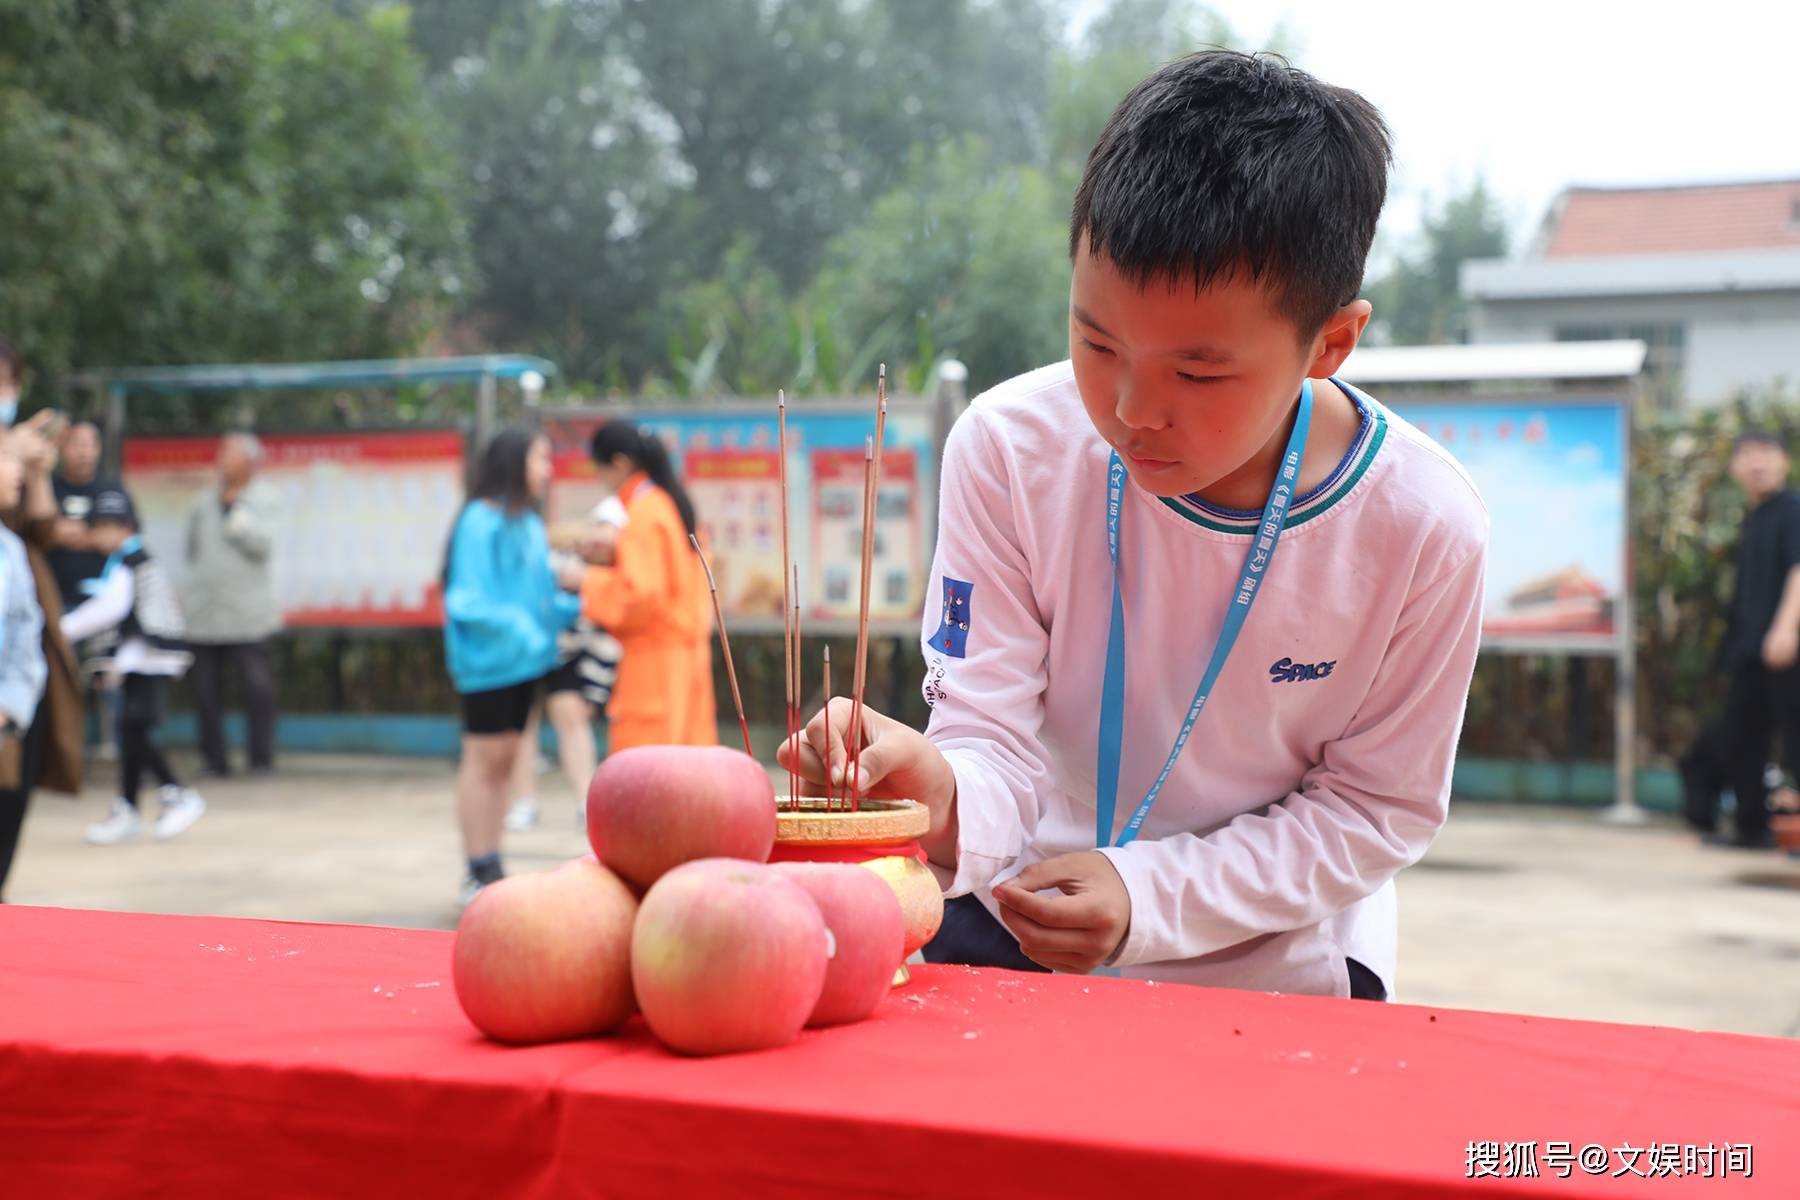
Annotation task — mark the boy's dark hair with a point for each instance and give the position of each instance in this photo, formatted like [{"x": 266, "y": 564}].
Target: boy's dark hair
[
  {"x": 9, "y": 354},
  {"x": 1759, "y": 437},
  {"x": 1226, "y": 165}
]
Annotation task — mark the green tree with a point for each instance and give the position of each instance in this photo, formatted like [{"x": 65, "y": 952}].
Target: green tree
[
  {"x": 966, "y": 258},
  {"x": 188, "y": 182},
  {"x": 619, "y": 151},
  {"x": 1124, "y": 43},
  {"x": 1419, "y": 301}
]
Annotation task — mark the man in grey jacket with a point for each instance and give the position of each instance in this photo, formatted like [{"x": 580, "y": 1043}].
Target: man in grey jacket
[{"x": 230, "y": 603}]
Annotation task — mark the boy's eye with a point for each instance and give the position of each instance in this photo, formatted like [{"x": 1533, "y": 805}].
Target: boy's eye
[
  {"x": 1186, "y": 378},
  {"x": 1097, "y": 349}
]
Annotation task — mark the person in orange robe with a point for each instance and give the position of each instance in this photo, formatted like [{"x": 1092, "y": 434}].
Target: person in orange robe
[{"x": 652, "y": 596}]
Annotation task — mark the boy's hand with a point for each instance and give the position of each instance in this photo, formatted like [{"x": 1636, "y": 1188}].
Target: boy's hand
[
  {"x": 1078, "y": 930},
  {"x": 897, "y": 763}
]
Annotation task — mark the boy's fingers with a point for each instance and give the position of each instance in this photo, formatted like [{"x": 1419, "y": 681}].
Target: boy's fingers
[
  {"x": 1039, "y": 941},
  {"x": 806, "y": 761},
  {"x": 874, "y": 759},
  {"x": 1054, "y": 911},
  {"x": 824, "y": 746},
  {"x": 1068, "y": 966},
  {"x": 1051, "y": 873}
]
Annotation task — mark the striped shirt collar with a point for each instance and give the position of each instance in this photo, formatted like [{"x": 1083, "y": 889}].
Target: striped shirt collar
[{"x": 1371, "y": 431}]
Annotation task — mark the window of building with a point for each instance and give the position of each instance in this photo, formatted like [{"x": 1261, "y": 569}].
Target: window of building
[{"x": 1663, "y": 361}]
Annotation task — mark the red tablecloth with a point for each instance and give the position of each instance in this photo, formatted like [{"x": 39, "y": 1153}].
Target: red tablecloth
[{"x": 187, "y": 1056}]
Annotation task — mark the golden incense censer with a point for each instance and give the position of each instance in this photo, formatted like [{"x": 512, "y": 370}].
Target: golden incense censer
[{"x": 882, "y": 835}]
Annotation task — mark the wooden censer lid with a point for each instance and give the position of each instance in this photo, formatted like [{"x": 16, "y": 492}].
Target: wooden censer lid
[{"x": 808, "y": 820}]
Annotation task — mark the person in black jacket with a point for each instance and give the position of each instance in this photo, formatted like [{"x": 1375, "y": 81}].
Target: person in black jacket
[{"x": 1762, "y": 638}]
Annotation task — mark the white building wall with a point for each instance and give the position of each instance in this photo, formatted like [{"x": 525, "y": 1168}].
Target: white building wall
[
  {"x": 1734, "y": 345},
  {"x": 1733, "y": 340}
]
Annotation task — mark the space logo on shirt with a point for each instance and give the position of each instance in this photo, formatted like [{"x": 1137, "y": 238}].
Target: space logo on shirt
[{"x": 952, "y": 636}]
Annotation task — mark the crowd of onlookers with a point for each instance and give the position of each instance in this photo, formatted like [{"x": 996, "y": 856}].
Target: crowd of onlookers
[
  {"x": 93, "y": 632},
  {"x": 608, "y": 615}
]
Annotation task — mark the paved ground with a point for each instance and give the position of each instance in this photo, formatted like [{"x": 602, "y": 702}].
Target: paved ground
[{"x": 1526, "y": 910}]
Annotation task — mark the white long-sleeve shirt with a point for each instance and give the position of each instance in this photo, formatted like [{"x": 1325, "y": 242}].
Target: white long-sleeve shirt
[
  {"x": 112, "y": 601},
  {"x": 1269, "y": 856}
]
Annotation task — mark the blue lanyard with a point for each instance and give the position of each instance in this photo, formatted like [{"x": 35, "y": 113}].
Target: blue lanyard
[{"x": 1112, "y": 687}]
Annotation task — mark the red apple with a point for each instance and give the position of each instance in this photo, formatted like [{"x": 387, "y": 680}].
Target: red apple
[
  {"x": 863, "y": 915},
  {"x": 652, "y": 808},
  {"x": 540, "y": 958},
  {"x": 727, "y": 955}
]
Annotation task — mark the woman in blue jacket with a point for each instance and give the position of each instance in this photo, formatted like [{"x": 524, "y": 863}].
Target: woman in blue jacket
[{"x": 502, "y": 612}]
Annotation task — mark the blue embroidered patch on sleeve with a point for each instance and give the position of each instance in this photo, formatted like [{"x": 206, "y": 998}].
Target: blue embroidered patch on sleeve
[{"x": 952, "y": 636}]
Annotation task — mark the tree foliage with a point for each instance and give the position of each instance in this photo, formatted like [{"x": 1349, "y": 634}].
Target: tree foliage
[
  {"x": 1419, "y": 301},
  {"x": 192, "y": 182}
]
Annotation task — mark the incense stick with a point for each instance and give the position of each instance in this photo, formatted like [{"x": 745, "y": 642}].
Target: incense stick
[
  {"x": 870, "y": 532},
  {"x": 799, "y": 693},
  {"x": 725, "y": 644},
  {"x": 789, "y": 683},
  {"x": 830, "y": 791},
  {"x": 853, "y": 736}
]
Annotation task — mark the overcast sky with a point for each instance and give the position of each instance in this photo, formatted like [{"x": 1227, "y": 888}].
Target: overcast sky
[{"x": 1539, "y": 94}]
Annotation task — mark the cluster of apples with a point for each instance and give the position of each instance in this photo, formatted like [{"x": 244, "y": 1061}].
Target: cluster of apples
[{"x": 679, "y": 915}]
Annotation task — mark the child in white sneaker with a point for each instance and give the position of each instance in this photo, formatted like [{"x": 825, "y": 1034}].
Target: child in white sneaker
[{"x": 133, "y": 599}]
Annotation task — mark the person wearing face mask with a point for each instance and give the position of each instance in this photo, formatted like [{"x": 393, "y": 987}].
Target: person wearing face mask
[
  {"x": 43, "y": 746},
  {"x": 12, "y": 378}
]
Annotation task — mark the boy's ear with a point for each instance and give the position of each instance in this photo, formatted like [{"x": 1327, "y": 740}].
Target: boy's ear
[{"x": 1334, "y": 342}]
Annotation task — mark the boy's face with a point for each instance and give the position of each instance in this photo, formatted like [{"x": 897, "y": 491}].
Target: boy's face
[
  {"x": 108, "y": 536},
  {"x": 1191, "y": 386}
]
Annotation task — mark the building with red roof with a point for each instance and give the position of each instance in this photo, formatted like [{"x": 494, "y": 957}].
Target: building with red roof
[{"x": 1707, "y": 275}]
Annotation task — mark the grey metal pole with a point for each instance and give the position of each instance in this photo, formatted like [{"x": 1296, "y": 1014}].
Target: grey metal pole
[
  {"x": 115, "y": 429},
  {"x": 531, "y": 388},
  {"x": 1624, "y": 809},
  {"x": 485, "y": 405},
  {"x": 952, "y": 398}
]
